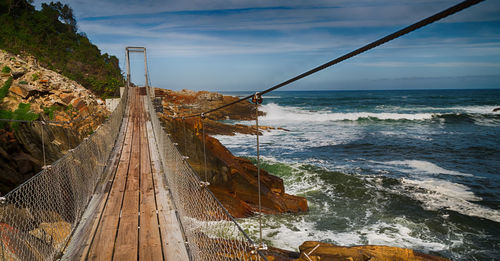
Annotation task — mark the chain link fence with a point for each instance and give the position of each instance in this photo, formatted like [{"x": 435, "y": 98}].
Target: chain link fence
[
  {"x": 210, "y": 231},
  {"x": 38, "y": 217}
]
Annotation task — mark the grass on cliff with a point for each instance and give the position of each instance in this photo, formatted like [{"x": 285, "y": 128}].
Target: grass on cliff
[
  {"x": 6, "y": 69},
  {"x": 51, "y": 35},
  {"x": 5, "y": 89},
  {"x": 21, "y": 113}
]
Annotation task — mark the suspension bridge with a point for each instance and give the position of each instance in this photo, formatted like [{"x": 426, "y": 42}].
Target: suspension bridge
[{"x": 127, "y": 193}]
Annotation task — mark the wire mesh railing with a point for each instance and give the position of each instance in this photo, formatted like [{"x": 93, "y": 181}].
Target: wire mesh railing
[
  {"x": 38, "y": 217},
  {"x": 210, "y": 231}
]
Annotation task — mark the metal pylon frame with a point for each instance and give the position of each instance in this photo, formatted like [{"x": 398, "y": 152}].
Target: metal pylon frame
[{"x": 138, "y": 49}]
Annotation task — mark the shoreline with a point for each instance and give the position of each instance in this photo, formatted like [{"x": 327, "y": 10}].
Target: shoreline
[{"x": 326, "y": 249}]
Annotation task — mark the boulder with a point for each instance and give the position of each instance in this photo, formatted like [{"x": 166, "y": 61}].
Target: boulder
[
  {"x": 78, "y": 103},
  {"x": 53, "y": 233},
  {"x": 66, "y": 98},
  {"x": 22, "y": 90},
  {"x": 18, "y": 72},
  {"x": 233, "y": 180},
  {"x": 330, "y": 252}
]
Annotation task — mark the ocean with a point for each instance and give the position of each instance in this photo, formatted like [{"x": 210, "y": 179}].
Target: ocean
[{"x": 412, "y": 168}]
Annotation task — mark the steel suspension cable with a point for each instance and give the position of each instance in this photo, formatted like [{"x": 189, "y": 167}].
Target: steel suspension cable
[
  {"x": 43, "y": 144},
  {"x": 257, "y": 98},
  {"x": 202, "y": 117},
  {"x": 431, "y": 19}
]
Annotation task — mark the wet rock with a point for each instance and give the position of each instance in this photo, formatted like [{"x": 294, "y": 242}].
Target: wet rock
[
  {"x": 496, "y": 109},
  {"x": 330, "y": 252},
  {"x": 233, "y": 180}
]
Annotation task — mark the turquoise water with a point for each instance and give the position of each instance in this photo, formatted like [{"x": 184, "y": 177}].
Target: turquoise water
[{"x": 416, "y": 169}]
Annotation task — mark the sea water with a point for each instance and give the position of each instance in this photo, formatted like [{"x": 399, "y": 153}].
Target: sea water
[{"x": 416, "y": 169}]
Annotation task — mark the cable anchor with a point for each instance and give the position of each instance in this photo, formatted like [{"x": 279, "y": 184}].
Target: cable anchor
[
  {"x": 257, "y": 98},
  {"x": 203, "y": 116},
  {"x": 258, "y": 247},
  {"x": 204, "y": 184},
  {"x": 3, "y": 200}
]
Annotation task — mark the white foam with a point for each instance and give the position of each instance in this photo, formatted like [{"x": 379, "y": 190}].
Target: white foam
[
  {"x": 441, "y": 194},
  {"x": 277, "y": 113},
  {"x": 479, "y": 109},
  {"x": 426, "y": 168},
  {"x": 399, "y": 233}
]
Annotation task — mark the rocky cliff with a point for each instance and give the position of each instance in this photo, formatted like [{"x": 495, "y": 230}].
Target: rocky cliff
[
  {"x": 232, "y": 179},
  {"x": 30, "y": 92}
]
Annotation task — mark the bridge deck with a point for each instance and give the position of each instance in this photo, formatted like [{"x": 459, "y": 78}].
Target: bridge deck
[{"x": 133, "y": 218}]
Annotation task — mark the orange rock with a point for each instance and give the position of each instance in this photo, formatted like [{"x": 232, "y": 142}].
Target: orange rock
[
  {"x": 84, "y": 111},
  {"x": 78, "y": 103},
  {"x": 16, "y": 89},
  {"x": 331, "y": 252},
  {"x": 233, "y": 180},
  {"x": 66, "y": 98}
]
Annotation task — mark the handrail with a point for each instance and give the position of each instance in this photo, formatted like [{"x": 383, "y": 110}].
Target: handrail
[
  {"x": 38, "y": 217},
  {"x": 211, "y": 231}
]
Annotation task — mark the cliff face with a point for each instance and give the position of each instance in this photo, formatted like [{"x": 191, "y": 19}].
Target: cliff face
[
  {"x": 33, "y": 92},
  {"x": 232, "y": 179}
]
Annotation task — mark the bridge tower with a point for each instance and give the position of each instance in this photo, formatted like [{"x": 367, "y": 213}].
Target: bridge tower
[{"x": 136, "y": 49}]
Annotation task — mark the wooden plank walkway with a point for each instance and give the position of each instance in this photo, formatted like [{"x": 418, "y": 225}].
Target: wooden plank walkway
[{"x": 132, "y": 216}]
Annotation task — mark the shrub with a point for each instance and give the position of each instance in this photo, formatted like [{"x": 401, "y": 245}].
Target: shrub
[
  {"x": 5, "y": 88},
  {"x": 35, "y": 77},
  {"x": 6, "y": 69},
  {"x": 69, "y": 108},
  {"x": 50, "y": 111},
  {"x": 23, "y": 82},
  {"x": 21, "y": 113}
]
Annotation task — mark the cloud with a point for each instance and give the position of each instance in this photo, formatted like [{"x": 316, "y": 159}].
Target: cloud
[
  {"x": 430, "y": 64},
  {"x": 294, "y": 35}
]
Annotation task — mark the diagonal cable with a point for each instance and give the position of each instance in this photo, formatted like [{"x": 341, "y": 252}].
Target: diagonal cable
[{"x": 431, "y": 19}]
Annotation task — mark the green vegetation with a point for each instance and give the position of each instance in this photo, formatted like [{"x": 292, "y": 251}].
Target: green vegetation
[
  {"x": 21, "y": 113},
  {"x": 23, "y": 82},
  {"x": 6, "y": 69},
  {"x": 5, "y": 89},
  {"x": 69, "y": 108},
  {"x": 52, "y": 36},
  {"x": 35, "y": 77},
  {"x": 49, "y": 111}
]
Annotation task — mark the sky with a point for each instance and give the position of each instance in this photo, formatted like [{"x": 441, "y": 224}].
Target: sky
[{"x": 251, "y": 45}]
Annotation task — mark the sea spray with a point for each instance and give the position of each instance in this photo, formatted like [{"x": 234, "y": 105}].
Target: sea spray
[{"x": 416, "y": 169}]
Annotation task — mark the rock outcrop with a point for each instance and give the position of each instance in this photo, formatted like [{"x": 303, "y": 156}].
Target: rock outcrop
[
  {"x": 232, "y": 179},
  {"x": 48, "y": 96},
  {"x": 328, "y": 252}
]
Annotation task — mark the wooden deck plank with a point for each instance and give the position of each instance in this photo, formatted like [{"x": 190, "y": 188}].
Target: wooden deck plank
[
  {"x": 149, "y": 236},
  {"x": 138, "y": 221},
  {"x": 126, "y": 240},
  {"x": 170, "y": 231},
  {"x": 130, "y": 204},
  {"x": 133, "y": 171},
  {"x": 149, "y": 233},
  {"x": 81, "y": 242},
  {"x": 104, "y": 238}
]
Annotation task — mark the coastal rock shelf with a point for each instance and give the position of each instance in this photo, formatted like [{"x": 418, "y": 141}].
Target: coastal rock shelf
[
  {"x": 312, "y": 250},
  {"x": 232, "y": 179}
]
